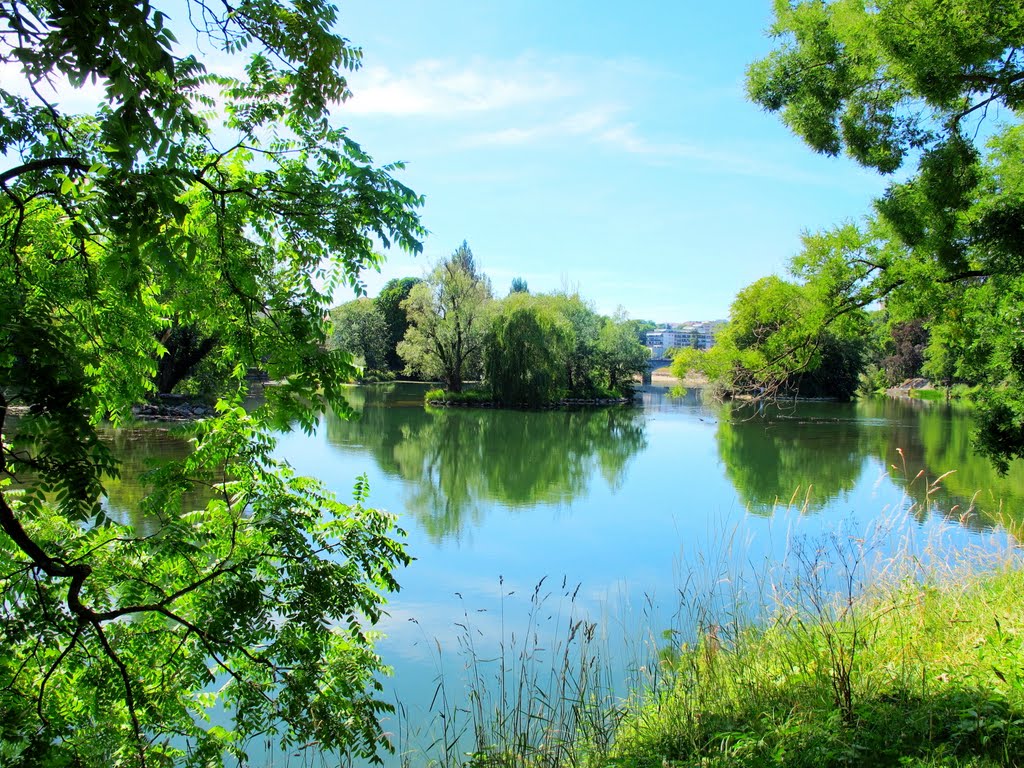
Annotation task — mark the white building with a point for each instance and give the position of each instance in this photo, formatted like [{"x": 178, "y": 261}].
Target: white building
[{"x": 692, "y": 335}]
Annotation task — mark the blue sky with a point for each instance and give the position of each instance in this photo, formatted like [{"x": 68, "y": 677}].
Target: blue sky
[{"x": 605, "y": 147}]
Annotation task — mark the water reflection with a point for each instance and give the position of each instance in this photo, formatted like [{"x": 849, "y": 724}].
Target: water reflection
[
  {"x": 811, "y": 455},
  {"x": 454, "y": 466},
  {"x": 459, "y": 462}
]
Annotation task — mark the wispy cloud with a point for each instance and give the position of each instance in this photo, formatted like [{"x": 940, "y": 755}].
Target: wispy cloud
[
  {"x": 587, "y": 122},
  {"x": 444, "y": 88},
  {"x": 569, "y": 103}
]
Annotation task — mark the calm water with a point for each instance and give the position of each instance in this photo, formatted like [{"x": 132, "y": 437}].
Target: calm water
[{"x": 623, "y": 503}]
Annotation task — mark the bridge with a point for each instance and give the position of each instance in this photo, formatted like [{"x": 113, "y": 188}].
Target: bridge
[{"x": 654, "y": 364}]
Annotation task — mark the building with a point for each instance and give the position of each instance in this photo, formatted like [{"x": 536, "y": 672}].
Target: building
[{"x": 691, "y": 335}]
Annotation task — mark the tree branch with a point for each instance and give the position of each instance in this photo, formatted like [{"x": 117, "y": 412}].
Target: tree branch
[{"x": 71, "y": 163}]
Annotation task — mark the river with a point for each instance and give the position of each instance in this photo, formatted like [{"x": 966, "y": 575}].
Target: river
[{"x": 620, "y": 514}]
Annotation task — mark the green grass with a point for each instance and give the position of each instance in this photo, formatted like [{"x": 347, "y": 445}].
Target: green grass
[
  {"x": 473, "y": 396},
  {"x": 908, "y": 674},
  {"x": 481, "y": 396},
  {"x": 840, "y": 664},
  {"x": 927, "y": 394}
]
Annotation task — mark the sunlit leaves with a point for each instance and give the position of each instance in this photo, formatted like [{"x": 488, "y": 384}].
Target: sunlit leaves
[{"x": 191, "y": 216}]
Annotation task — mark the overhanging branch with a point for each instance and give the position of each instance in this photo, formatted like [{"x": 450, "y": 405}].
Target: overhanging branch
[{"x": 70, "y": 163}]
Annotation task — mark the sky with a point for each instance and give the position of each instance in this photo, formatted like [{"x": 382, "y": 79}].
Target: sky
[
  {"x": 603, "y": 147},
  {"x": 606, "y": 148}
]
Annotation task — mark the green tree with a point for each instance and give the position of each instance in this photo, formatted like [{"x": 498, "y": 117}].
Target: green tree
[
  {"x": 896, "y": 82},
  {"x": 526, "y": 351},
  {"x": 113, "y": 227},
  {"x": 447, "y": 322},
  {"x": 361, "y": 330},
  {"x": 777, "y": 343},
  {"x": 389, "y": 302},
  {"x": 581, "y": 365},
  {"x": 621, "y": 355},
  {"x": 886, "y": 80},
  {"x": 641, "y": 328},
  {"x": 462, "y": 258},
  {"x": 519, "y": 286}
]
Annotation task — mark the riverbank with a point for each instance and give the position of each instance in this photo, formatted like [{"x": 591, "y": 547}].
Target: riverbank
[
  {"x": 663, "y": 377},
  {"x": 911, "y": 674},
  {"x": 925, "y": 667},
  {"x": 439, "y": 398}
]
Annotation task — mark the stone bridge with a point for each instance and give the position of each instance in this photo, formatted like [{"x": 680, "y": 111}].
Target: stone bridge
[{"x": 654, "y": 364}]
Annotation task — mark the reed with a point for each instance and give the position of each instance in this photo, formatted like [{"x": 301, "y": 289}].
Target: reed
[{"x": 859, "y": 648}]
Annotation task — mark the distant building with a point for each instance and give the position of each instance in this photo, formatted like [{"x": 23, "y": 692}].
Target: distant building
[{"x": 691, "y": 335}]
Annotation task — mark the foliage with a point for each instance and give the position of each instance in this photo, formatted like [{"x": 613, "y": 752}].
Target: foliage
[
  {"x": 777, "y": 343},
  {"x": 620, "y": 354},
  {"x": 534, "y": 353},
  {"x": 526, "y": 351},
  {"x": 581, "y": 364},
  {"x": 641, "y": 328},
  {"x": 144, "y": 219},
  {"x": 389, "y": 302},
  {"x": 908, "y": 343},
  {"x": 447, "y": 321},
  {"x": 465, "y": 397},
  {"x": 518, "y": 286},
  {"x": 462, "y": 258},
  {"x": 361, "y": 330},
  {"x": 896, "y": 82}
]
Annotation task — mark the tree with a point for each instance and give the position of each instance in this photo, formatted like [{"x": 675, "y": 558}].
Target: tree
[
  {"x": 641, "y": 328},
  {"x": 463, "y": 259},
  {"x": 620, "y": 353},
  {"x": 389, "y": 302},
  {"x": 519, "y": 286},
  {"x": 447, "y": 322},
  {"x": 895, "y": 82},
  {"x": 360, "y": 329},
  {"x": 895, "y": 79},
  {"x": 908, "y": 342},
  {"x": 115, "y": 226},
  {"x": 776, "y": 343},
  {"x": 581, "y": 365},
  {"x": 526, "y": 351}
]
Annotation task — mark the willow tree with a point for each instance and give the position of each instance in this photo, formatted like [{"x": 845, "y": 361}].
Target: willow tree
[
  {"x": 526, "y": 349},
  {"x": 226, "y": 203}
]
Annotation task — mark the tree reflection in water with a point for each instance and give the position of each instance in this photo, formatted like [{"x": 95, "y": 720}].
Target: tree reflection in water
[
  {"x": 812, "y": 454},
  {"x": 459, "y": 462}
]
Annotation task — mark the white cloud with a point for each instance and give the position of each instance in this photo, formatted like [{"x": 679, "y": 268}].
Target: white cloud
[
  {"x": 584, "y": 123},
  {"x": 442, "y": 88}
]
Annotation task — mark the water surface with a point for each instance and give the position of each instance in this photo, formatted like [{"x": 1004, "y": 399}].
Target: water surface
[{"x": 613, "y": 509}]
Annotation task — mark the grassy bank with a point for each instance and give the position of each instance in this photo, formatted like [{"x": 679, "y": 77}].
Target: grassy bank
[
  {"x": 841, "y": 664},
  {"x": 907, "y": 674}
]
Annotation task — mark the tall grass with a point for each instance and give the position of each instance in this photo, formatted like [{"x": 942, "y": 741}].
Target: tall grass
[{"x": 858, "y": 648}]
